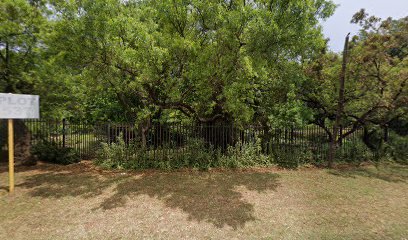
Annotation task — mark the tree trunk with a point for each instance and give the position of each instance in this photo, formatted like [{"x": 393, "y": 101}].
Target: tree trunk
[
  {"x": 3, "y": 140},
  {"x": 386, "y": 133},
  {"x": 23, "y": 144},
  {"x": 340, "y": 106},
  {"x": 332, "y": 150},
  {"x": 144, "y": 128}
]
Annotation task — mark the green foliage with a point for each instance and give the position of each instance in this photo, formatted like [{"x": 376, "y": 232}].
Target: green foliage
[
  {"x": 129, "y": 156},
  {"x": 293, "y": 157},
  {"x": 398, "y": 148},
  {"x": 54, "y": 153},
  {"x": 20, "y": 28},
  {"x": 376, "y": 92},
  {"x": 199, "y": 155},
  {"x": 122, "y": 60},
  {"x": 375, "y": 88},
  {"x": 27, "y": 63},
  {"x": 116, "y": 155},
  {"x": 212, "y": 62},
  {"x": 206, "y": 60},
  {"x": 244, "y": 155},
  {"x": 353, "y": 152},
  {"x": 194, "y": 155}
]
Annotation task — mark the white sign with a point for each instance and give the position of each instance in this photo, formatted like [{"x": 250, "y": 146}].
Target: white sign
[{"x": 19, "y": 106}]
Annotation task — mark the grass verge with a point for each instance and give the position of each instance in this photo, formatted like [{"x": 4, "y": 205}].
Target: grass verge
[{"x": 84, "y": 202}]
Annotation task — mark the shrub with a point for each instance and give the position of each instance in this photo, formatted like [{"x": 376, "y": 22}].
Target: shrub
[
  {"x": 200, "y": 155},
  {"x": 129, "y": 156},
  {"x": 398, "y": 148},
  {"x": 290, "y": 156},
  {"x": 54, "y": 153},
  {"x": 195, "y": 154},
  {"x": 117, "y": 155},
  {"x": 244, "y": 155},
  {"x": 353, "y": 152}
]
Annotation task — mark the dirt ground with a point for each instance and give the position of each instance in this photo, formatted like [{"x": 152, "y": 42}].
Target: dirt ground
[{"x": 81, "y": 201}]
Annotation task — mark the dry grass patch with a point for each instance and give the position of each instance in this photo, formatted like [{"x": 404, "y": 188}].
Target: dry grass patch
[{"x": 81, "y": 201}]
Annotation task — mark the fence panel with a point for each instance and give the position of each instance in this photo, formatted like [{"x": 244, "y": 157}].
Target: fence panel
[{"x": 177, "y": 139}]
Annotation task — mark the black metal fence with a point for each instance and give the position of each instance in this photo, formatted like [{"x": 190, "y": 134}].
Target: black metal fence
[{"x": 175, "y": 139}]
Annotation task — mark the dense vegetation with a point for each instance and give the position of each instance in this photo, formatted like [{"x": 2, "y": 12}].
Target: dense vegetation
[{"x": 263, "y": 63}]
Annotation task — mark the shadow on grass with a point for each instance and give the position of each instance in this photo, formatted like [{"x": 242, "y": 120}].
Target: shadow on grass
[
  {"x": 212, "y": 197},
  {"x": 389, "y": 173},
  {"x": 26, "y": 168},
  {"x": 63, "y": 184}
]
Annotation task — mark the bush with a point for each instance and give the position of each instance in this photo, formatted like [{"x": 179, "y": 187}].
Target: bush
[
  {"x": 54, "y": 153},
  {"x": 201, "y": 155},
  {"x": 195, "y": 154},
  {"x": 354, "y": 152},
  {"x": 243, "y": 155},
  {"x": 398, "y": 148},
  {"x": 129, "y": 156},
  {"x": 292, "y": 156}
]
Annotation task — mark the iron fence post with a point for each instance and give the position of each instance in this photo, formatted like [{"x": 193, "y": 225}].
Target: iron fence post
[
  {"x": 63, "y": 133},
  {"x": 108, "y": 133}
]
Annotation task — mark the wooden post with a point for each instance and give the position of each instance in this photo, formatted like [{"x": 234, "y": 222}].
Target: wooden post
[
  {"x": 17, "y": 106},
  {"x": 11, "y": 154}
]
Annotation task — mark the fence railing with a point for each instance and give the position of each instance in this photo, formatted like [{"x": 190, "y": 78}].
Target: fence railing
[{"x": 175, "y": 139}]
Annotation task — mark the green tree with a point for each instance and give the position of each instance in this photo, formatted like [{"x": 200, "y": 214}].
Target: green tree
[
  {"x": 26, "y": 64},
  {"x": 20, "y": 27},
  {"x": 376, "y": 78},
  {"x": 212, "y": 61},
  {"x": 20, "y": 53}
]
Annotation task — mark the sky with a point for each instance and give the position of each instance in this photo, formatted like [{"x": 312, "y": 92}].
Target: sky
[{"x": 338, "y": 25}]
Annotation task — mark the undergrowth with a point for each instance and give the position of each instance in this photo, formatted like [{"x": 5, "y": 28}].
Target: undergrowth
[
  {"x": 195, "y": 154},
  {"x": 198, "y": 154}
]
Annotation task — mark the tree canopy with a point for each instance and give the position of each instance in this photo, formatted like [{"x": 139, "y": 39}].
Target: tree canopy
[
  {"x": 214, "y": 62},
  {"x": 376, "y": 76}
]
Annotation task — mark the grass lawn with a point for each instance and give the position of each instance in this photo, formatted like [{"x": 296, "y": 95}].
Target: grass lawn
[{"x": 82, "y": 202}]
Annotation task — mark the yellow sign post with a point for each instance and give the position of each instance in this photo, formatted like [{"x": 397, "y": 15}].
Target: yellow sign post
[
  {"x": 11, "y": 154},
  {"x": 17, "y": 106}
]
